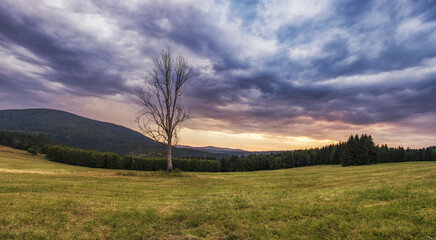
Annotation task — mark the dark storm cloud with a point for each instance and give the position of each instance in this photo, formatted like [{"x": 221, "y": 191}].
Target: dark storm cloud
[
  {"x": 190, "y": 28},
  {"x": 81, "y": 70},
  {"x": 358, "y": 62},
  {"x": 357, "y": 104}
]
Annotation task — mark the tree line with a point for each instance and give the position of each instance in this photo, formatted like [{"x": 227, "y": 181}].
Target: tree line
[
  {"x": 24, "y": 141},
  {"x": 88, "y": 158},
  {"x": 95, "y": 159},
  {"x": 358, "y": 150}
]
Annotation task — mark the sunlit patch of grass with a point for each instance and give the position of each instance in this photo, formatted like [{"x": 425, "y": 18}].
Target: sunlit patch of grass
[{"x": 46, "y": 200}]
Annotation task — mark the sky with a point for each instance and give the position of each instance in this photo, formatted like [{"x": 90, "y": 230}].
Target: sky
[{"x": 268, "y": 75}]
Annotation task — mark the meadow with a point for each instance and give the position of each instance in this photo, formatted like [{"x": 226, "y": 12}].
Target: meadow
[{"x": 40, "y": 199}]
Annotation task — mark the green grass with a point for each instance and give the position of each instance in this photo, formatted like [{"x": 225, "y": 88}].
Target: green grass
[{"x": 46, "y": 200}]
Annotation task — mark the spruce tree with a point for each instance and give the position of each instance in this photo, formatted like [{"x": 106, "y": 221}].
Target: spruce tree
[{"x": 348, "y": 152}]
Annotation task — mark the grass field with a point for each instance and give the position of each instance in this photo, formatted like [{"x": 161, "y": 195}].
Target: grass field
[{"x": 46, "y": 200}]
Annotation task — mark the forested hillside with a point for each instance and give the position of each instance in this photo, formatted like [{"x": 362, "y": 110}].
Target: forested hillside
[{"x": 79, "y": 132}]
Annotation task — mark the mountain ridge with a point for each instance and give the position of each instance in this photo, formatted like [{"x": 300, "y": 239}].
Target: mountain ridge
[
  {"x": 213, "y": 149},
  {"x": 76, "y": 131}
]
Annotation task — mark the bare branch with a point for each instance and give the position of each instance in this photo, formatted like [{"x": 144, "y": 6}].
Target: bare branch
[{"x": 161, "y": 111}]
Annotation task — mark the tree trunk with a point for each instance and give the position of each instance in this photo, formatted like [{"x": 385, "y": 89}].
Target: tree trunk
[{"x": 169, "y": 158}]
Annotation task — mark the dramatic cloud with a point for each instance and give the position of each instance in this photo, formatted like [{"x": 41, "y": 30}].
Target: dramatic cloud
[{"x": 294, "y": 70}]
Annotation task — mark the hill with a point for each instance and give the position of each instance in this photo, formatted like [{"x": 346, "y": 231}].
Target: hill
[
  {"x": 80, "y": 132},
  {"x": 48, "y": 200},
  {"x": 229, "y": 151},
  {"x": 219, "y": 150}
]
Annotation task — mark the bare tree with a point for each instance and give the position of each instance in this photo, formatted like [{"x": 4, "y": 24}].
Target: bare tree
[{"x": 160, "y": 101}]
